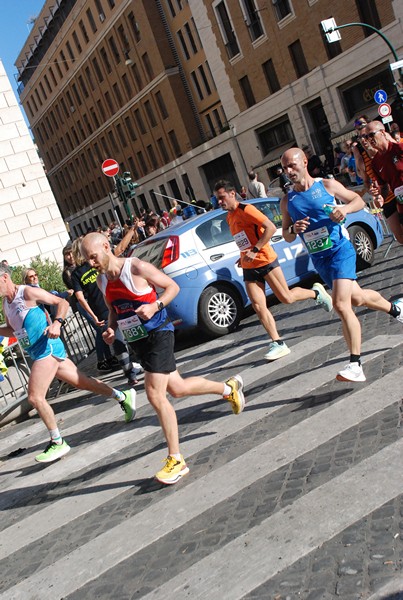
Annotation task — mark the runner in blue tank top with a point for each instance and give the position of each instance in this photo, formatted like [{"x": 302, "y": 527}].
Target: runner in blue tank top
[{"x": 304, "y": 214}]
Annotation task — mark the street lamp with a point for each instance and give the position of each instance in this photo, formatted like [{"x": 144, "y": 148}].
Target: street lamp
[{"x": 330, "y": 28}]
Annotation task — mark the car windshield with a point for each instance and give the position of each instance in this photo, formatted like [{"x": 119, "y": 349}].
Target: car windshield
[{"x": 152, "y": 250}]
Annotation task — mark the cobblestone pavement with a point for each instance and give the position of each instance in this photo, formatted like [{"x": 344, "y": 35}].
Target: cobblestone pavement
[{"x": 299, "y": 497}]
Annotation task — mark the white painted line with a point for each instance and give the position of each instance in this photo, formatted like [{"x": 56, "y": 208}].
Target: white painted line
[{"x": 170, "y": 513}]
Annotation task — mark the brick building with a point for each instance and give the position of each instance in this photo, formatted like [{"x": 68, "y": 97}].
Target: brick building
[
  {"x": 182, "y": 93},
  {"x": 30, "y": 222}
]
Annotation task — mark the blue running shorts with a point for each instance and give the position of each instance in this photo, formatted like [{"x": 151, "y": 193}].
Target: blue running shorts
[{"x": 338, "y": 263}]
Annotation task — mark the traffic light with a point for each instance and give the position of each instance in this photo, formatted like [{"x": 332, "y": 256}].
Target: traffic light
[{"x": 126, "y": 187}]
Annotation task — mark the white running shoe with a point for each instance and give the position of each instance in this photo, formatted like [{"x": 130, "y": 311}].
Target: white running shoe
[
  {"x": 351, "y": 372},
  {"x": 399, "y": 304},
  {"x": 323, "y": 299},
  {"x": 276, "y": 351}
]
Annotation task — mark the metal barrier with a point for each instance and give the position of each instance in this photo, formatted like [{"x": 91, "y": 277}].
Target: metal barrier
[{"x": 79, "y": 340}]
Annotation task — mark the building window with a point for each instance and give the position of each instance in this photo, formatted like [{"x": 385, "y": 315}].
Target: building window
[
  {"x": 114, "y": 49},
  {"x": 163, "y": 150},
  {"x": 191, "y": 38},
  {"x": 64, "y": 107},
  {"x": 333, "y": 49},
  {"x": 204, "y": 79},
  {"x": 121, "y": 135},
  {"x": 113, "y": 141},
  {"x": 142, "y": 162},
  {"x": 133, "y": 168},
  {"x": 298, "y": 58},
  {"x": 197, "y": 85},
  {"x": 129, "y": 127},
  {"x": 152, "y": 157},
  {"x": 101, "y": 110},
  {"x": 90, "y": 80},
  {"x": 100, "y": 10},
  {"x": 147, "y": 66},
  {"x": 77, "y": 42},
  {"x": 109, "y": 103},
  {"x": 83, "y": 31},
  {"x": 70, "y": 102},
  {"x": 94, "y": 117},
  {"x": 210, "y": 125},
  {"x": 368, "y": 14},
  {"x": 47, "y": 83},
  {"x": 111, "y": 3},
  {"x": 183, "y": 44},
  {"x": 43, "y": 91},
  {"x": 70, "y": 51},
  {"x": 123, "y": 37},
  {"x": 118, "y": 95},
  {"x": 271, "y": 76},
  {"x": 218, "y": 120},
  {"x": 252, "y": 19},
  {"x": 38, "y": 97},
  {"x": 175, "y": 145},
  {"x": 59, "y": 114},
  {"x": 127, "y": 86},
  {"x": 275, "y": 134},
  {"x": 52, "y": 76},
  {"x": 91, "y": 20},
  {"x": 81, "y": 130},
  {"x": 150, "y": 113},
  {"x": 247, "y": 91},
  {"x": 87, "y": 124},
  {"x": 83, "y": 86},
  {"x": 64, "y": 61},
  {"x": 282, "y": 9},
  {"x": 76, "y": 94},
  {"x": 171, "y": 8},
  {"x": 137, "y": 76},
  {"x": 134, "y": 27},
  {"x": 161, "y": 105},
  {"x": 105, "y": 60},
  {"x": 227, "y": 32},
  {"x": 97, "y": 70},
  {"x": 140, "y": 122}
]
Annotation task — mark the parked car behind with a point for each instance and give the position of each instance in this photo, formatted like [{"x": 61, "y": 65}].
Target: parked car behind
[{"x": 201, "y": 255}]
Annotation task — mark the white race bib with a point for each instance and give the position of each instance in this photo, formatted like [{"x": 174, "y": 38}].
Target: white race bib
[
  {"x": 318, "y": 240},
  {"x": 132, "y": 329},
  {"x": 23, "y": 338},
  {"x": 242, "y": 241}
]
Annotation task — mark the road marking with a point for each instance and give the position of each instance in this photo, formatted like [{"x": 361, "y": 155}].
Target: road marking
[{"x": 106, "y": 551}]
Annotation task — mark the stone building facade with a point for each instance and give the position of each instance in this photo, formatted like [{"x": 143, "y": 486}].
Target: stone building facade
[{"x": 30, "y": 220}]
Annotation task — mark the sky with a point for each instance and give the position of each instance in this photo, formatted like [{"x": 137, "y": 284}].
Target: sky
[{"x": 14, "y": 30}]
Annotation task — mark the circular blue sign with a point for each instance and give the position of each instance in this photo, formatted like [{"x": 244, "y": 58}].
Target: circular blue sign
[{"x": 380, "y": 96}]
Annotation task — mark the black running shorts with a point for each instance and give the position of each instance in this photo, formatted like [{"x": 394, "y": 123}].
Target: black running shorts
[
  {"x": 155, "y": 353},
  {"x": 259, "y": 273}
]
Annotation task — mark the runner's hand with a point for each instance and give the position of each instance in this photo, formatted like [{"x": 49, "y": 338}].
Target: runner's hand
[{"x": 109, "y": 336}]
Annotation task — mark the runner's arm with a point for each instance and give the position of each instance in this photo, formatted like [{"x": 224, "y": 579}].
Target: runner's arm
[
  {"x": 36, "y": 295},
  {"x": 352, "y": 202},
  {"x": 158, "y": 280}
]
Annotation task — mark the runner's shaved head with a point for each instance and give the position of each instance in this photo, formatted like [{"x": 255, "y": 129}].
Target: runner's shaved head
[
  {"x": 293, "y": 154},
  {"x": 94, "y": 241}
]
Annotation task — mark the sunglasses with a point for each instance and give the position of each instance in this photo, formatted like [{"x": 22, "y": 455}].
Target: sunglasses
[{"x": 372, "y": 134}]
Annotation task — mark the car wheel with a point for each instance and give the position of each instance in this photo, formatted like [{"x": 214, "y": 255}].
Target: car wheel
[
  {"x": 363, "y": 246},
  {"x": 220, "y": 310}
]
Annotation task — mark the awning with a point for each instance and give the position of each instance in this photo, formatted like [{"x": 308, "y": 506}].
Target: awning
[
  {"x": 348, "y": 130},
  {"x": 273, "y": 157}
]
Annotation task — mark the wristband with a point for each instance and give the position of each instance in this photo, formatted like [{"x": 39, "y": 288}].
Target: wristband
[
  {"x": 61, "y": 321},
  {"x": 255, "y": 250},
  {"x": 160, "y": 305}
]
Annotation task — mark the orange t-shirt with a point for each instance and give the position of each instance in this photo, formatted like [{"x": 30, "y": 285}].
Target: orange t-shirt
[{"x": 245, "y": 224}]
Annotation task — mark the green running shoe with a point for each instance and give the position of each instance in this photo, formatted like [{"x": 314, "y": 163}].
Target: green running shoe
[
  {"x": 128, "y": 405},
  {"x": 53, "y": 452}
]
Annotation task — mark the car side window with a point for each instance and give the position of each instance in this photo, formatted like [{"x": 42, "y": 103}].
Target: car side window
[
  {"x": 214, "y": 232},
  {"x": 271, "y": 210}
]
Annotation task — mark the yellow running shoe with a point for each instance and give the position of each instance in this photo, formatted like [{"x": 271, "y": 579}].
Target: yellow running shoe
[
  {"x": 236, "y": 396},
  {"x": 172, "y": 471}
]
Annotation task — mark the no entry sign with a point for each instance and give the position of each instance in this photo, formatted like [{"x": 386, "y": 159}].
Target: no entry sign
[{"x": 110, "y": 167}]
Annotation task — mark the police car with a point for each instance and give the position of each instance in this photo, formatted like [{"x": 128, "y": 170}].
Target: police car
[{"x": 201, "y": 256}]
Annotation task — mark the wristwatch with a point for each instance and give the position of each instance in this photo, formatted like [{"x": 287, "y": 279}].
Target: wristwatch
[
  {"x": 255, "y": 250},
  {"x": 291, "y": 229},
  {"x": 61, "y": 321},
  {"x": 160, "y": 305}
]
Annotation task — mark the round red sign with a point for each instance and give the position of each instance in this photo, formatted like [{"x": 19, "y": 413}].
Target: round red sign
[{"x": 110, "y": 167}]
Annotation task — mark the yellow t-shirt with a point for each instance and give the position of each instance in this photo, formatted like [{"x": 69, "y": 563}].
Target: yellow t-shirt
[{"x": 245, "y": 224}]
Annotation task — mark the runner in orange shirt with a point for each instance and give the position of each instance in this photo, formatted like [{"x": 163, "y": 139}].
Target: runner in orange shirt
[{"x": 252, "y": 232}]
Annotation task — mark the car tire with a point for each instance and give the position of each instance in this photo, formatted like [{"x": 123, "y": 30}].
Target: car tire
[
  {"x": 363, "y": 246},
  {"x": 220, "y": 310}
]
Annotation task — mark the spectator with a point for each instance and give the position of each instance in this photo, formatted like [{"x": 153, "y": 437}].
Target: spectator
[
  {"x": 152, "y": 226},
  {"x": 315, "y": 167},
  {"x": 255, "y": 187},
  {"x": 30, "y": 277},
  {"x": 283, "y": 180},
  {"x": 178, "y": 216},
  {"x": 243, "y": 193},
  {"x": 165, "y": 220}
]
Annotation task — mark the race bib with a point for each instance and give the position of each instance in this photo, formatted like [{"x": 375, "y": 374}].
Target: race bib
[
  {"x": 398, "y": 192},
  {"x": 23, "y": 338},
  {"x": 132, "y": 329},
  {"x": 242, "y": 241},
  {"x": 318, "y": 240}
]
